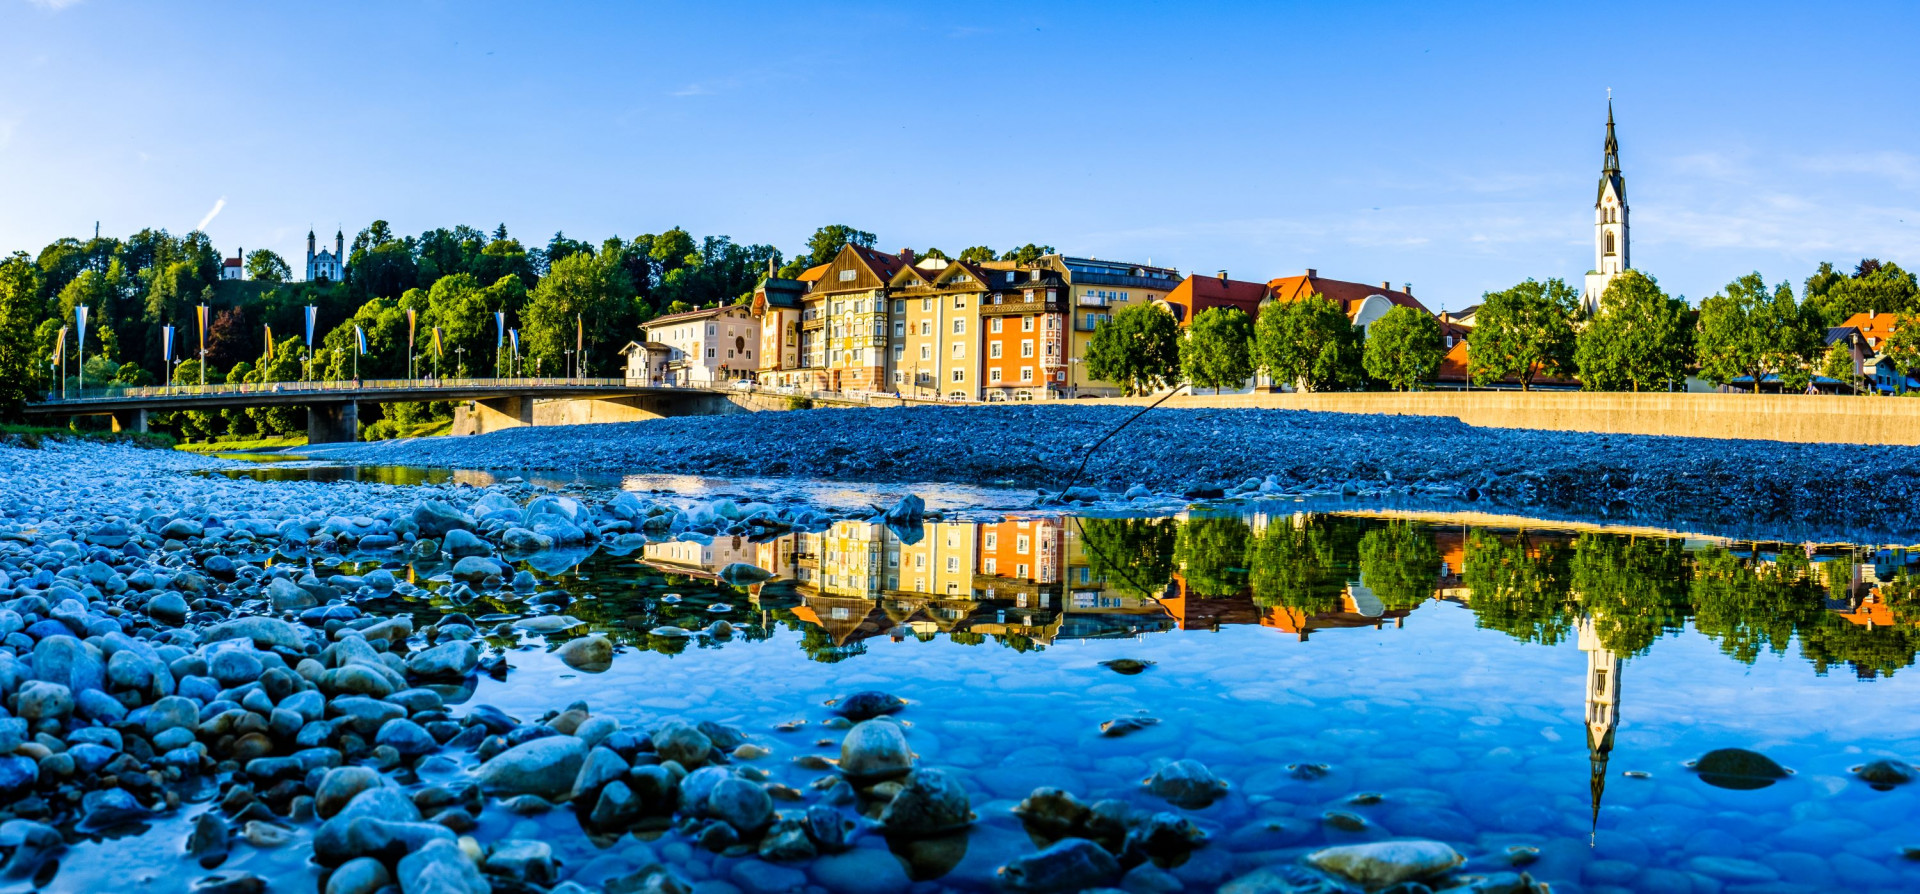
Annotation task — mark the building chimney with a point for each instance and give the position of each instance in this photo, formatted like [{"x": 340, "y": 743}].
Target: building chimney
[
  {"x": 906, "y": 254},
  {"x": 1407, "y": 287},
  {"x": 1223, "y": 277},
  {"x": 1386, "y": 286},
  {"x": 1311, "y": 273}
]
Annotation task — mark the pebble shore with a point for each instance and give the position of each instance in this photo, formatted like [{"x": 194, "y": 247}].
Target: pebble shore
[
  {"x": 1812, "y": 490},
  {"x": 191, "y": 649}
]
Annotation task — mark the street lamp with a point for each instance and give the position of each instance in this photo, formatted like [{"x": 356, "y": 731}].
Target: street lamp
[
  {"x": 571, "y": 372},
  {"x": 461, "y": 353}
]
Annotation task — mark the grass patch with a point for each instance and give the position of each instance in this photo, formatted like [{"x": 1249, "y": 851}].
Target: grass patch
[
  {"x": 32, "y": 436},
  {"x": 242, "y": 445}
]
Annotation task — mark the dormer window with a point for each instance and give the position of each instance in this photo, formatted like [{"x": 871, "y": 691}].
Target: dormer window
[{"x": 848, "y": 275}]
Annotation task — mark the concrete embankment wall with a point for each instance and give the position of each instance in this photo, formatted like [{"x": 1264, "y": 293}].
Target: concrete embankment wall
[{"x": 1806, "y": 419}]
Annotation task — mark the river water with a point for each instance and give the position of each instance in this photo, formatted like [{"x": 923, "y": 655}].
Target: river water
[{"x": 1531, "y": 693}]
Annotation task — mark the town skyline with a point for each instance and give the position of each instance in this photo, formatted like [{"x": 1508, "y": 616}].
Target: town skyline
[{"x": 1484, "y": 180}]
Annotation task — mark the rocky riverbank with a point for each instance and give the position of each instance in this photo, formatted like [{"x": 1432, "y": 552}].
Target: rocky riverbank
[
  {"x": 198, "y": 653},
  {"x": 1828, "y": 491}
]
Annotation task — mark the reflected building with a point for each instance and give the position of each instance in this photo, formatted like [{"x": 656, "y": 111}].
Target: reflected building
[{"x": 1603, "y": 708}]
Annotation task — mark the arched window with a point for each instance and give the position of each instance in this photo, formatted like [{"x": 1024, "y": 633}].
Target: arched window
[{"x": 1609, "y": 243}]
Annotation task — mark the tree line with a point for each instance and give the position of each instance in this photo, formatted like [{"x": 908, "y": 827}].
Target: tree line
[
  {"x": 1532, "y": 587},
  {"x": 1535, "y": 332},
  {"x": 451, "y": 287}
]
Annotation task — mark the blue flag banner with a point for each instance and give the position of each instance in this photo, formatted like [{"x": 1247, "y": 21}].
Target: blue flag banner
[
  {"x": 166, "y": 347},
  {"x": 360, "y": 335},
  {"x": 499, "y": 328},
  {"x": 310, "y": 314}
]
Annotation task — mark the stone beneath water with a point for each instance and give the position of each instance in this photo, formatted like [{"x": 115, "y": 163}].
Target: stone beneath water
[
  {"x": 932, "y": 804},
  {"x": 1885, "y": 774},
  {"x": 1128, "y": 666},
  {"x": 1072, "y": 864},
  {"x": 866, "y": 705},
  {"x": 1186, "y": 783},
  {"x": 1120, "y": 726},
  {"x": 743, "y": 573},
  {"x": 1738, "y": 768},
  {"x": 1380, "y": 864},
  {"x": 587, "y": 653}
]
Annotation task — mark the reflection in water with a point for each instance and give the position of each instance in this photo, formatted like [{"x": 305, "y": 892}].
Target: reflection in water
[{"x": 1475, "y": 624}]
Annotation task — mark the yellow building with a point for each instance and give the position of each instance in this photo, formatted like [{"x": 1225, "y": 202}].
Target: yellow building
[
  {"x": 843, "y": 320},
  {"x": 1097, "y": 290},
  {"x": 935, "y": 336}
]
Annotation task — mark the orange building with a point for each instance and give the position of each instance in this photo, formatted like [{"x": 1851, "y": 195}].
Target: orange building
[{"x": 1024, "y": 331}]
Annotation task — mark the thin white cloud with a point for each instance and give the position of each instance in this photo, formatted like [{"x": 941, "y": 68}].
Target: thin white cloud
[
  {"x": 694, "y": 90},
  {"x": 202, "y": 225},
  {"x": 53, "y": 5}
]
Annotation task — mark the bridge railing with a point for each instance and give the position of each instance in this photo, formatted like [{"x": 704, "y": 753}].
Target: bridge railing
[{"x": 126, "y": 392}]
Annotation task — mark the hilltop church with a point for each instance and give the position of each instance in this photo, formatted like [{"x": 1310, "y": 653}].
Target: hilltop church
[
  {"x": 327, "y": 266},
  {"x": 1609, "y": 225}
]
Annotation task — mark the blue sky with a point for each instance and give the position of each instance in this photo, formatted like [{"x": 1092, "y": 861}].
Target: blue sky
[{"x": 1453, "y": 146}]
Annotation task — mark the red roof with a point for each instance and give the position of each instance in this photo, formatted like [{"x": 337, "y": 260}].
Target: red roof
[
  {"x": 1198, "y": 293},
  {"x": 1349, "y": 294},
  {"x": 231, "y": 262},
  {"x": 1876, "y": 327}
]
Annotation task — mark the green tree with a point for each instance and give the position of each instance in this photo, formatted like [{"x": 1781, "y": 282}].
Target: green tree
[
  {"x": 828, "y": 240},
  {"x": 385, "y": 325},
  {"x": 1303, "y": 563},
  {"x": 1637, "y": 341},
  {"x": 1027, "y": 254},
  {"x": 1211, "y": 554},
  {"x": 1135, "y": 555},
  {"x": 1874, "y": 287},
  {"x": 1399, "y": 563},
  {"x": 1519, "y": 586},
  {"x": 20, "y": 309},
  {"x": 1838, "y": 365},
  {"x": 1634, "y": 589},
  {"x": 1309, "y": 344},
  {"x": 264, "y": 265},
  {"x": 579, "y": 290},
  {"x": 1218, "y": 349},
  {"x": 1139, "y": 349},
  {"x": 1902, "y": 348},
  {"x": 1744, "y": 331},
  {"x": 1403, "y": 348},
  {"x": 1522, "y": 333},
  {"x": 978, "y": 253}
]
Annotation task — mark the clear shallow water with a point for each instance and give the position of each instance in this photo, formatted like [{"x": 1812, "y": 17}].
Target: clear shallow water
[{"x": 1492, "y": 685}]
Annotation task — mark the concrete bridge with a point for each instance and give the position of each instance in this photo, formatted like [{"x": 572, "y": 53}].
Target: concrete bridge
[{"x": 333, "y": 408}]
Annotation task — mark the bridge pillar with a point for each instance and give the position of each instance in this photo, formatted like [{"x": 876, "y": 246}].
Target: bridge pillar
[
  {"x": 130, "y": 420},
  {"x": 501, "y": 413},
  {"x": 333, "y": 423}
]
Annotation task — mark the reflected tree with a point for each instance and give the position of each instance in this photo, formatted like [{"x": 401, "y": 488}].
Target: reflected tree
[
  {"x": 1303, "y": 563},
  {"x": 1634, "y": 588},
  {"x": 1133, "y": 554},
  {"x": 1211, "y": 554},
  {"x": 1399, "y": 563},
  {"x": 1520, "y": 587}
]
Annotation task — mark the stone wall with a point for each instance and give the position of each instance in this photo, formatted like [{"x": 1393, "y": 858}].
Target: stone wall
[{"x": 1795, "y": 418}]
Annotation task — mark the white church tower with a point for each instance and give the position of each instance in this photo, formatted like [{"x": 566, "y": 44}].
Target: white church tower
[
  {"x": 327, "y": 266},
  {"x": 1610, "y": 256}
]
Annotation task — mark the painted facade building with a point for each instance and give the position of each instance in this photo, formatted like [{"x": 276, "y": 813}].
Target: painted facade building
[
  {"x": 706, "y": 347},
  {"x": 1095, "y": 291},
  {"x": 1024, "y": 336}
]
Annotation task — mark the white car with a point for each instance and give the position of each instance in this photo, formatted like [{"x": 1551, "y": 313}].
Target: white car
[{"x": 744, "y": 385}]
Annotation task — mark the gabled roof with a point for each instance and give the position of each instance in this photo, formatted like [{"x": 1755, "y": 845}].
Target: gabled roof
[
  {"x": 1840, "y": 333},
  {"x": 1876, "y": 327},
  {"x": 230, "y": 262},
  {"x": 778, "y": 292},
  {"x": 691, "y": 315},
  {"x": 1349, "y": 294},
  {"x": 813, "y": 274}
]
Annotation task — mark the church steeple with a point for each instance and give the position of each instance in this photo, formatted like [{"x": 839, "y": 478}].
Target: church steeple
[
  {"x": 1612, "y": 165},
  {"x": 1603, "y": 710},
  {"x": 1610, "y": 254}
]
